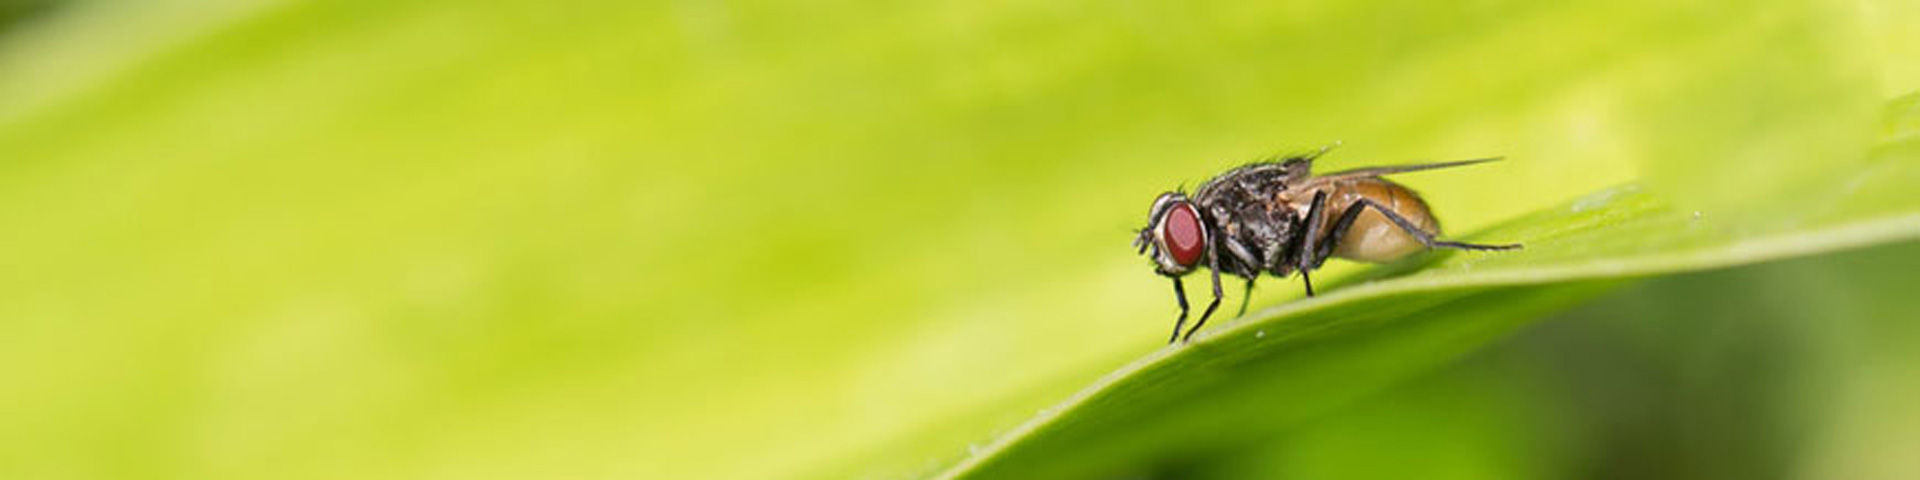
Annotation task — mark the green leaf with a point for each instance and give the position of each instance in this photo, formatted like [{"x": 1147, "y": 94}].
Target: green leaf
[
  {"x": 321, "y": 239},
  {"x": 1244, "y": 379},
  {"x": 1726, "y": 373}
]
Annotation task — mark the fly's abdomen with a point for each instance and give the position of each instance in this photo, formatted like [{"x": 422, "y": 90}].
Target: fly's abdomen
[{"x": 1373, "y": 237}]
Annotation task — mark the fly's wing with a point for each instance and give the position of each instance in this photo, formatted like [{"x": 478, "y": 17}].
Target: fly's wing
[{"x": 1387, "y": 170}]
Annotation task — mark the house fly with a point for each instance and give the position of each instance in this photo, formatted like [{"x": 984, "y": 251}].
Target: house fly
[{"x": 1277, "y": 217}]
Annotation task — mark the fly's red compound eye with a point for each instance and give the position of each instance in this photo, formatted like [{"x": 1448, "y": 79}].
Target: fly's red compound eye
[{"x": 1182, "y": 234}]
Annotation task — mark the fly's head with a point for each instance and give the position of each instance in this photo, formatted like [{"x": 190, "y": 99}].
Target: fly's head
[{"x": 1175, "y": 234}]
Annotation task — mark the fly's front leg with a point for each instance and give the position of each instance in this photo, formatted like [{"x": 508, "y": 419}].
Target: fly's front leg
[
  {"x": 1179, "y": 293},
  {"x": 1215, "y": 267}
]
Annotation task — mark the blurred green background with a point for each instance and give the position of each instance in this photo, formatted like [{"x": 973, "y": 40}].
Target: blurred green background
[{"x": 805, "y": 239}]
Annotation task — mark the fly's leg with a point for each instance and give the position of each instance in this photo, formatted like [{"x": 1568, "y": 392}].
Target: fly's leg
[
  {"x": 1215, "y": 268},
  {"x": 1179, "y": 293},
  {"x": 1305, "y": 258},
  {"x": 1340, "y": 226},
  {"x": 1246, "y": 298},
  {"x": 1240, "y": 253},
  {"x": 1422, "y": 235}
]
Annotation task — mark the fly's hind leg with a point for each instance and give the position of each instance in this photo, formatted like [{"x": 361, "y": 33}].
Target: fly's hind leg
[
  {"x": 1340, "y": 227},
  {"x": 1404, "y": 224}
]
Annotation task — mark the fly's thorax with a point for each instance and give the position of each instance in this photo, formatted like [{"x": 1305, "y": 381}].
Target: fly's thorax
[
  {"x": 1233, "y": 251},
  {"x": 1252, "y": 183},
  {"x": 1253, "y": 233}
]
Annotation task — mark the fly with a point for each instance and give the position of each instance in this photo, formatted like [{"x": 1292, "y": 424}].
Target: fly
[{"x": 1277, "y": 217}]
